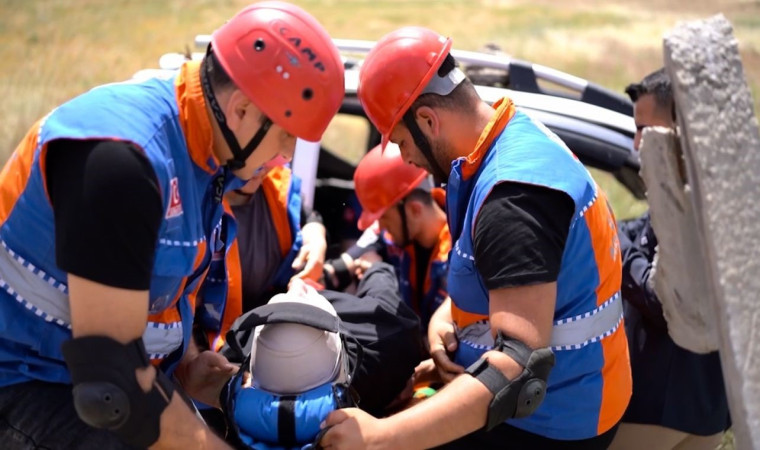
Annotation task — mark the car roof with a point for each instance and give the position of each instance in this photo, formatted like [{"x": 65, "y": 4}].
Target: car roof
[{"x": 596, "y": 123}]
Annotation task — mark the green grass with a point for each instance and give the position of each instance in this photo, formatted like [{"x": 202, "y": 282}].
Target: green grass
[{"x": 728, "y": 441}]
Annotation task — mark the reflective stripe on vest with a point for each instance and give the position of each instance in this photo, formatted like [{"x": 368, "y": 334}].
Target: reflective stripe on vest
[
  {"x": 48, "y": 298},
  {"x": 572, "y": 333},
  {"x": 577, "y": 332},
  {"x": 33, "y": 288},
  {"x": 162, "y": 338}
]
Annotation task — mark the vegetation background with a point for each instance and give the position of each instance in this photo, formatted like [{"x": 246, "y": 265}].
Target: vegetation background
[{"x": 52, "y": 50}]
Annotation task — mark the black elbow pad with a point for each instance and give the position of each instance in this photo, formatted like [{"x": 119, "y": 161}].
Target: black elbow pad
[
  {"x": 523, "y": 395},
  {"x": 106, "y": 392}
]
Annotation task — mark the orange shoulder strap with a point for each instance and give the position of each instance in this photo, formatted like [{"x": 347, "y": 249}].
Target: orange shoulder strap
[{"x": 276, "y": 186}]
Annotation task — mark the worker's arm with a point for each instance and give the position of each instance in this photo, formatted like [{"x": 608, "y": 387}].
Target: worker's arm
[
  {"x": 443, "y": 342},
  {"x": 311, "y": 258},
  {"x": 108, "y": 208},
  {"x": 519, "y": 238},
  {"x": 340, "y": 272},
  {"x": 121, "y": 314},
  {"x": 638, "y": 247},
  {"x": 203, "y": 374},
  {"x": 523, "y": 313}
]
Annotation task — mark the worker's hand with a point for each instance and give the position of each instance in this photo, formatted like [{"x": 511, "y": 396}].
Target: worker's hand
[
  {"x": 364, "y": 262},
  {"x": 402, "y": 399},
  {"x": 653, "y": 270},
  {"x": 311, "y": 258},
  {"x": 426, "y": 373},
  {"x": 352, "y": 428},
  {"x": 204, "y": 376},
  {"x": 443, "y": 342}
]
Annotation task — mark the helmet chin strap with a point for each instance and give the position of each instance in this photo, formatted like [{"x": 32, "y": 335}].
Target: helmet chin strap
[
  {"x": 424, "y": 145},
  {"x": 239, "y": 155},
  {"x": 404, "y": 224}
]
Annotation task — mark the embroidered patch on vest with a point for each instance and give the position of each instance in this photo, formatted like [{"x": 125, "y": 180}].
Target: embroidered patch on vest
[{"x": 175, "y": 203}]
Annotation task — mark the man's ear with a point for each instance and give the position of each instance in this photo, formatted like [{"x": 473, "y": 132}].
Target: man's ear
[
  {"x": 236, "y": 108},
  {"x": 413, "y": 207},
  {"x": 428, "y": 120}
]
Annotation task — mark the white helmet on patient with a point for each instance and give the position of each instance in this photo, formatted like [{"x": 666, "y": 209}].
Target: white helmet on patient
[{"x": 290, "y": 358}]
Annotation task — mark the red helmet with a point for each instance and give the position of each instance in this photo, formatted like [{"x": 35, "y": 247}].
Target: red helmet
[
  {"x": 281, "y": 58},
  {"x": 381, "y": 180},
  {"x": 396, "y": 71}
]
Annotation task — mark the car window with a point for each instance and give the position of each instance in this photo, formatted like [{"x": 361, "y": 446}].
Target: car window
[
  {"x": 347, "y": 137},
  {"x": 348, "y": 134},
  {"x": 624, "y": 204}
]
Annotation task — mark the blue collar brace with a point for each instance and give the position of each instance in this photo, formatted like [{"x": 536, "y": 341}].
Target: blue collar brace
[{"x": 265, "y": 420}]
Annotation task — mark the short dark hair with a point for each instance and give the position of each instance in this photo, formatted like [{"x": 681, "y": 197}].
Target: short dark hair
[
  {"x": 421, "y": 195},
  {"x": 217, "y": 75},
  {"x": 656, "y": 83}
]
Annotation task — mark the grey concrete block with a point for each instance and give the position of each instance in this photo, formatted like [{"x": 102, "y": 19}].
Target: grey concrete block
[
  {"x": 721, "y": 143},
  {"x": 680, "y": 274}
]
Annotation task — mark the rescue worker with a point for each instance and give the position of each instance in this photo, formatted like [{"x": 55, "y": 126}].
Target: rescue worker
[
  {"x": 399, "y": 202},
  {"x": 109, "y": 213},
  {"x": 679, "y": 397},
  {"x": 540, "y": 358},
  {"x": 274, "y": 235},
  {"x": 272, "y": 239},
  {"x": 267, "y": 213}
]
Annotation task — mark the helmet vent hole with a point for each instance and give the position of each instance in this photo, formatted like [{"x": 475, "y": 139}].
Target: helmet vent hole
[
  {"x": 259, "y": 45},
  {"x": 307, "y": 94},
  {"x": 288, "y": 113}
]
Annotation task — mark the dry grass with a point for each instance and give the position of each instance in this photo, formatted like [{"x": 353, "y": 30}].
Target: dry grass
[{"x": 52, "y": 50}]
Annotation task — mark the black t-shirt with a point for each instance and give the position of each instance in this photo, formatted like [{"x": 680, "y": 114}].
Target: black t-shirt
[
  {"x": 108, "y": 208},
  {"x": 520, "y": 235}
]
